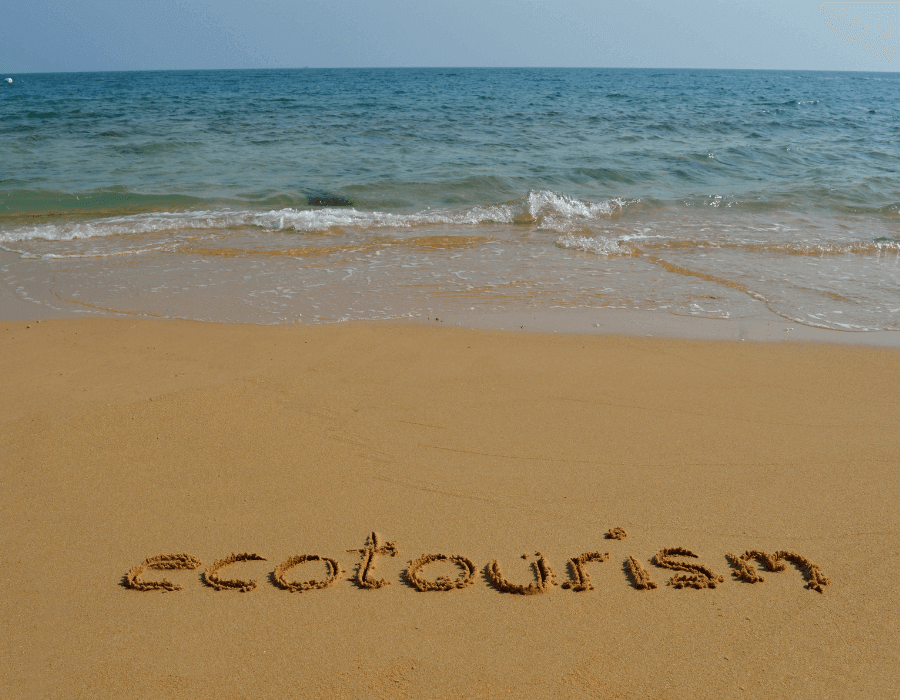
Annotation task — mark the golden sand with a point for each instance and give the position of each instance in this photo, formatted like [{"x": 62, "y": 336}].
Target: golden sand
[{"x": 124, "y": 439}]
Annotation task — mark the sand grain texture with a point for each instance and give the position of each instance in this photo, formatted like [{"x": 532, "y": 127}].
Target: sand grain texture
[{"x": 122, "y": 439}]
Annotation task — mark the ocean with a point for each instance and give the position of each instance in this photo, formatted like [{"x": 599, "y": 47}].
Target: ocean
[{"x": 305, "y": 196}]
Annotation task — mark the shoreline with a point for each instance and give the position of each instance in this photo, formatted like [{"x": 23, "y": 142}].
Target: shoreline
[
  {"x": 763, "y": 327},
  {"x": 660, "y": 324}
]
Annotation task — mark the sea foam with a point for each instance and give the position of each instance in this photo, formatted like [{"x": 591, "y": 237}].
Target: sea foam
[{"x": 550, "y": 210}]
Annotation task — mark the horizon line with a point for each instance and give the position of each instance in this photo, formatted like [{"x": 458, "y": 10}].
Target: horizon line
[{"x": 271, "y": 68}]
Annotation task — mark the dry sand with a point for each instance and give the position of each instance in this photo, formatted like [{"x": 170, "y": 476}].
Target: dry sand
[{"x": 126, "y": 440}]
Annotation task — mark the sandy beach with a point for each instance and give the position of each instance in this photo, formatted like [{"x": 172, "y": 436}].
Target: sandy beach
[{"x": 127, "y": 439}]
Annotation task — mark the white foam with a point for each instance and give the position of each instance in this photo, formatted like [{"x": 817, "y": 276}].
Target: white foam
[
  {"x": 590, "y": 244},
  {"x": 549, "y": 209},
  {"x": 602, "y": 245}
]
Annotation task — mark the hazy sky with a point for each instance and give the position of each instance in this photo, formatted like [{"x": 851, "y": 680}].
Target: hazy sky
[{"x": 87, "y": 35}]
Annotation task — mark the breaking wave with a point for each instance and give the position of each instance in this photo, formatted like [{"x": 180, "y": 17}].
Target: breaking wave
[{"x": 547, "y": 210}]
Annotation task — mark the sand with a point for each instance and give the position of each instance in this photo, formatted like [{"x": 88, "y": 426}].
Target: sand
[{"x": 276, "y": 476}]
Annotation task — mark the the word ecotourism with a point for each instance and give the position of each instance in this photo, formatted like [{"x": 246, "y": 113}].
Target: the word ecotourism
[{"x": 694, "y": 575}]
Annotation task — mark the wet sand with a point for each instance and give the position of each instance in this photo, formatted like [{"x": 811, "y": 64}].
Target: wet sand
[{"x": 125, "y": 440}]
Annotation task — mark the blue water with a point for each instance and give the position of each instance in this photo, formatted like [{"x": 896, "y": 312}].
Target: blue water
[{"x": 323, "y": 194}]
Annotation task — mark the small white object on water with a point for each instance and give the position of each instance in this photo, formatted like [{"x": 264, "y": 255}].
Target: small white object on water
[{"x": 8, "y": 80}]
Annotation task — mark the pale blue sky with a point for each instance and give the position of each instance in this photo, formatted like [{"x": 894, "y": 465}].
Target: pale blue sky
[{"x": 65, "y": 35}]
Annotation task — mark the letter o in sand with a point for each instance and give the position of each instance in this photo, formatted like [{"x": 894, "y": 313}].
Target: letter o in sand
[
  {"x": 334, "y": 573},
  {"x": 443, "y": 583}
]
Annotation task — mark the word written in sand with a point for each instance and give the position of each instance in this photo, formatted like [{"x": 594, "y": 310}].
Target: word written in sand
[{"x": 695, "y": 574}]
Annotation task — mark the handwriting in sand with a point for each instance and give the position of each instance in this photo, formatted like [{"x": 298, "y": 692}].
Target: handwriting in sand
[{"x": 694, "y": 574}]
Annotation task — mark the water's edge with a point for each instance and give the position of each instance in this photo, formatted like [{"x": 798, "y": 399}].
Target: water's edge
[{"x": 766, "y": 327}]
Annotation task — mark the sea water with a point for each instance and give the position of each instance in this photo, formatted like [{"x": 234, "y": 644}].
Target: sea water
[{"x": 284, "y": 196}]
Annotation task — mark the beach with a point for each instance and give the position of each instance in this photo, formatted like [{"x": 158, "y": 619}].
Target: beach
[
  {"x": 127, "y": 438},
  {"x": 470, "y": 383}
]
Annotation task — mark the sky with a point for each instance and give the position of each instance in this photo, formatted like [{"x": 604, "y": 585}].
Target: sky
[{"x": 101, "y": 35}]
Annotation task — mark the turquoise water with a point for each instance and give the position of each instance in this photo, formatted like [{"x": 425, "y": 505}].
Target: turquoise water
[{"x": 283, "y": 195}]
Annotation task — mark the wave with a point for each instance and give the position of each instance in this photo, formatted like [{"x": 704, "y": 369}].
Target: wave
[
  {"x": 547, "y": 210},
  {"x": 588, "y": 191},
  {"x": 590, "y": 226}
]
